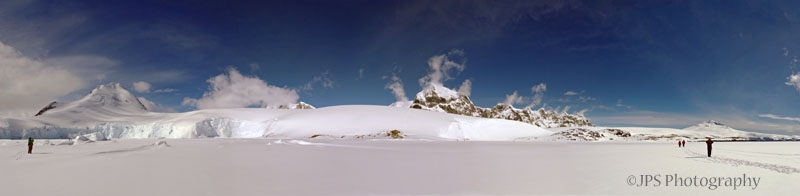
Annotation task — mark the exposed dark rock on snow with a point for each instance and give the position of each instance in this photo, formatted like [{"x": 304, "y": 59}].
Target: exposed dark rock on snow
[{"x": 46, "y": 108}]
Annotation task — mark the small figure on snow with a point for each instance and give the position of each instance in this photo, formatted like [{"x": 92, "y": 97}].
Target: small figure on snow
[
  {"x": 30, "y": 145},
  {"x": 708, "y": 145},
  {"x": 683, "y": 143},
  {"x": 679, "y": 144}
]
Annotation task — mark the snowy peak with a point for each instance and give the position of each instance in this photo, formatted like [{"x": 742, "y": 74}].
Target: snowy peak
[
  {"x": 437, "y": 91},
  {"x": 110, "y": 97},
  {"x": 715, "y": 129},
  {"x": 113, "y": 95},
  {"x": 711, "y": 123}
]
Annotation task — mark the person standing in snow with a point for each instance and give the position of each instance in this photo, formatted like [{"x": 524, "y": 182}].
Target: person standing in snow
[
  {"x": 679, "y": 144},
  {"x": 30, "y": 145},
  {"x": 684, "y": 143},
  {"x": 708, "y": 145}
]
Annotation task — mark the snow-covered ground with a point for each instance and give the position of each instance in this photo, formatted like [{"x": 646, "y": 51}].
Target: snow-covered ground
[{"x": 383, "y": 166}]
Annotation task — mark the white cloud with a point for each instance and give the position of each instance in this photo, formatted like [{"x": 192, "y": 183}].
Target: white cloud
[
  {"x": 396, "y": 85},
  {"x": 29, "y": 84},
  {"x": 571, "y": 93},
  {"x": 583, "y": 112},
  {"x": 566, "y": 109},
  {"x": 233, "y": 90},
  {"x": 777, "y": 117},
  {"x": 360, "y": 74},
  {"x": 586, "y": 99},
  {"x": 785, "y": 51},
  {"x": 85, "y": 66},
  {"x": 254, "y": 66},
  {"x": 538, "y": 94},
  {"x": 794, "y": 80},
  {"x": 323, "y": 79},
  {"x": 141, "y": 87},
  {"x": 513, "y": 98},
  {"x": 441, "y": 65},
  {"x": 166, "y": 90},
  {"x": 465, "y": 88},
  {"x": 619, "y": 104}
]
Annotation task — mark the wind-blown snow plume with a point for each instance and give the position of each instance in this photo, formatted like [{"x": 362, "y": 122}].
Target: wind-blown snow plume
[
  {"x": 141, "y": 87},
  {"x": 29, "y": 84},
  {"x": 466, "y": 88},
  {"x": 513, "y": 98},
  {"x": 566, "y": 109},
  {"x": 794, "y": 80},
  {"x": 441, "y": 65},
  {"x": 396, "y": 85},
  {"x": 538, "y": 94},
  {"x": 233, "y": 90}
]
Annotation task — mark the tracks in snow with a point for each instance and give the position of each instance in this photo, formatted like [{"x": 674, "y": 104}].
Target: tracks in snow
[{"x": 739, "y": 162}]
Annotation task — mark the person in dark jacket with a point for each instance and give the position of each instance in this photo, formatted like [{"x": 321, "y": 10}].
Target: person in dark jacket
[
  {"x": 30, "y": 145},
  {"x": 679, "y": 144},
  {"x": 708, "y": 145},
  {"x": 684, "y": 143}
]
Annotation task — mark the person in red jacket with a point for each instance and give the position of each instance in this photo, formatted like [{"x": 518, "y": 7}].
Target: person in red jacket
[
  {"x": 30, "y": 145},
  {"x": 708, "y": 146},
  {"x": 679, "y": 144},
  {"x": 684, "y": 143}
]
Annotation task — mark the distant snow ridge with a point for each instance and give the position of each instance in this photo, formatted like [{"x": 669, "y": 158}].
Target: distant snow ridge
[
  {"x": 716, "y": 129},
  {"x": 583, "y": 134},
  {"x": 110, "y": 111},
  {"x": 699, "y": 132},
  {"x": 438, "y": 98}
]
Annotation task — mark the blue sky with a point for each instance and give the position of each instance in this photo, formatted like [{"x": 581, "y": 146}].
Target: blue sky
[{"x": 666, "y": 63}]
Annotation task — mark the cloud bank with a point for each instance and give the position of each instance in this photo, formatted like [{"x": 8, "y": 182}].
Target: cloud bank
[
  {"x": 233, "y": 90},
  {"x": 29, "y": 84}
]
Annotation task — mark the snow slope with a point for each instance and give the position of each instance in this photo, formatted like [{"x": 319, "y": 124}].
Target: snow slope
[
  {"x": 114, "y": 112},
  {"x": 386, "y": 167}
]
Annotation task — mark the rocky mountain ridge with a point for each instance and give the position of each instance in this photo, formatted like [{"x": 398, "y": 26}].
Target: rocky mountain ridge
[{"x": 442, "y": 99}]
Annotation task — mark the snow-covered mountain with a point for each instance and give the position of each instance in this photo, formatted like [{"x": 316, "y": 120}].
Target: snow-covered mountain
[
  {"x": 106, "y": 100},
  {"x": 716, "y": 129},
  {"x": 438, "y": 98},
  {"x": 116, "y": 113}
]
